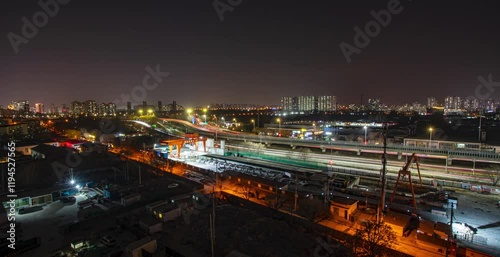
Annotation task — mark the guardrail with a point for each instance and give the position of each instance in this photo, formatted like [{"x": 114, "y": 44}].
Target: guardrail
[
  {"x": 454, "y": 153},
  {"x": 400, "y": 149}
]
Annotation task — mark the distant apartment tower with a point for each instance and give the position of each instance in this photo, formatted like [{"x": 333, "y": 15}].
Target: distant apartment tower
[
  {"x": 374, "y": 104},
  {"x": 472, "y": 105},
  {"x": 326, "y": 103},
  {"x": 159, "y": 107},
  {"x": 489, "y": 105},
  {"x": 453, "y": 104},
  {"x": 76, "y": 108},
  {"x": 107, "y": 109},
  {"x": 90, "y": 108},
  {"x": 21, "y": 106},
  {"x": 431, "y": 102},
  {"x": 289, "y": 104},
  {"x": 309, "y": 104},
  {"x": 129, "y": 107},
  {"x": 39, "y": 108}
]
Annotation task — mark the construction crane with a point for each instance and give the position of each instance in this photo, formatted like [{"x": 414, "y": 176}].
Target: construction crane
[{"x": 406, "y": 172}]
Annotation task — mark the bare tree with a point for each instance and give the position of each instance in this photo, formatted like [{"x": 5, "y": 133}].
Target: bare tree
[
  {"x": 245, "y": 190},
  {"x": 374, "y": 238},
  {"x": 276, "y": 202}
]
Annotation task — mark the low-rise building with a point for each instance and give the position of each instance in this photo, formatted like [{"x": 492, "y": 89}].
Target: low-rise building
[
  {"x": 130, "y": 199},
  {"x": 342, "y": 207},
  {"x": 442, "y": 230},
  {"x": 137, "y": 248},
  {"x": 166, "y": 212},
  {"x": 150, "y": 225}
]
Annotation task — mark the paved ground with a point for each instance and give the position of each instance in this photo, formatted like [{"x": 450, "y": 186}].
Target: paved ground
[
  {"x": 45, "y": 224},
  {"x": 473, "y": 209}
]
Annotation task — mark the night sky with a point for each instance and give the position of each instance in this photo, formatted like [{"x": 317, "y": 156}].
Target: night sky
[{"x": 261, "y": 51}]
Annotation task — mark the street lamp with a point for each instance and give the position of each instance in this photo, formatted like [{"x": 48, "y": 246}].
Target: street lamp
[
  {"x": 140, "y": 111},
  {"x": 366, "y": 129},
  {"x": 314, "y": 131},
  {"x": 279, "y": 125},
  {"x": 150, "y": 111},
  {"x": 253, "y": 122},
  {"x": 430, "y": 136}
]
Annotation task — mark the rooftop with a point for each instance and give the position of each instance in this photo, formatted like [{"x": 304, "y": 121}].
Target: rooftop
[
  {"x": 51, "y": 152},
  {"x": 165, "y": 207},
  {"x": 343, "y": 200}
]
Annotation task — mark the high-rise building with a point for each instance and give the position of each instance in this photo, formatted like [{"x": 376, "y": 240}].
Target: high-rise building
[
  {"x": 159, "y": 107},
  {"x": 306, "y": 103},
  {"x": 374, "y": 104},
  {"x": 309, "y": 104},
  {"x": 326, "y": 103},
  {"x": 129, "y": 107},
  {"x": 289, "y": 104},
  {"x": 76, "y": 108},
  {"x": 90, "y": 108},
  {"x": 490, "y": 105},
  {"x": 431, "y": 102},
  {"x": 21, "y": 106},
  {"x": 107, "y": 109},
  {"x": 39, "y": 108},
  {"x": 453, "y": 104}
]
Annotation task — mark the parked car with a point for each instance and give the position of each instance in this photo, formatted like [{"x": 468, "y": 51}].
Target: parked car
[{"x": 173, "y": 185}]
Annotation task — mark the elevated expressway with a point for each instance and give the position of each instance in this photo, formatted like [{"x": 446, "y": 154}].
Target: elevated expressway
[
  {"x": 168, "y": 125},
  {"x": 180, "y": 127}
]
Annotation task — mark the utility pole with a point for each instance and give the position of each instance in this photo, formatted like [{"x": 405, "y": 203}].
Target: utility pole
[
  {"x": 140, "y": 177},
  {"x": 384, "y": 171},
  {"x": 451, "y": 230},
  {"x": 296, "y": 189},
  {"x": 480, "y": 121}
]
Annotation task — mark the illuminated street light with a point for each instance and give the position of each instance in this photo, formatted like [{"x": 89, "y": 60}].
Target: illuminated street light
[
  {"x": 253, "y": 122},
  {"x": 140, "y": 111},
  {"x": 72, "y": 182},
  {"x": 366, "y": 129},
  {"x": 430, "y": 136},
  {"x": 279, "y": 125},
  {"x": 150, "y": 111}
]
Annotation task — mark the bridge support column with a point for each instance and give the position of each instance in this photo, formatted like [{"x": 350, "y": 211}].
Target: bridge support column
[
  {"x": 358, "y": 152},
  {"x": 400, "y": 155},
  {"x": 323, "y": 148},
  {"x": 449, "y": 161},
  {"x": 179, "y": 146},
  {"x": 293, "y": 146}
]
